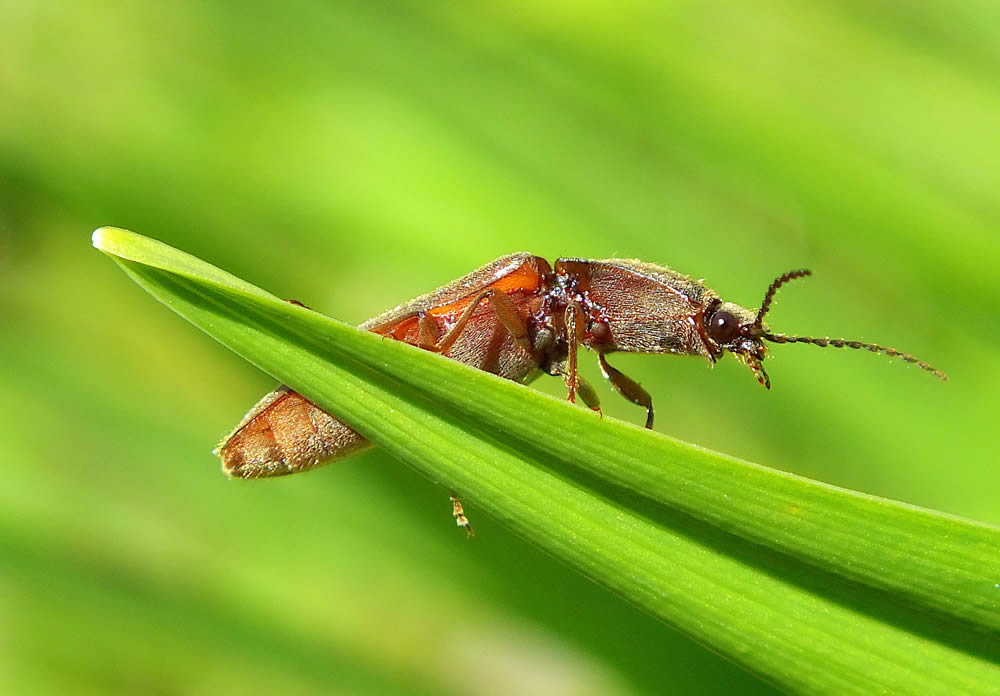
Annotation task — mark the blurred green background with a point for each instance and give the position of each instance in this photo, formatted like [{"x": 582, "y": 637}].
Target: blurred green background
[{"x": 354, "y": 154}]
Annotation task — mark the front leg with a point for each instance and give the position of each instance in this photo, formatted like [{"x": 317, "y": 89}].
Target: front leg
[
  {"x": 629, "y": 388},
  {"x": 575, "y": 332}
]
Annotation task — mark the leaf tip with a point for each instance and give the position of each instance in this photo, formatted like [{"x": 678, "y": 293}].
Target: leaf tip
[{"x": 109, "y": 239}]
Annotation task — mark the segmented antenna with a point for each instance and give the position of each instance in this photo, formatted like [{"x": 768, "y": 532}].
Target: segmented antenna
[
  {"x": 765, "y": 306},
  {"x": 858, "y": 345}
]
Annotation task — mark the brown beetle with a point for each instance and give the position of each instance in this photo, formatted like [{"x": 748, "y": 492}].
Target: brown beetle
[{"x": 517, "y": 317}]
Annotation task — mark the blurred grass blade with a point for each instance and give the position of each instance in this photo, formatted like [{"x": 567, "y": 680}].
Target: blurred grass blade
[{"x": 817, "y": 589}]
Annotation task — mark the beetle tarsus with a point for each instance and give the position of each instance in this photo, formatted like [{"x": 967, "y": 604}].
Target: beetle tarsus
[{"x": 458, "y": 512}]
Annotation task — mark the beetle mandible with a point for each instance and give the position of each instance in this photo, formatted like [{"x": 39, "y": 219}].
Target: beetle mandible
[{"x": 517, "y": 317}]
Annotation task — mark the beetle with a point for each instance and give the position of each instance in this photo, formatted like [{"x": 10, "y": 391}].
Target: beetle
[{"x": 519, "y": 317}]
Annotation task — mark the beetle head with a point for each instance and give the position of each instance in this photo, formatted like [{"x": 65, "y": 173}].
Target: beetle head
[
  {"x": 742, "y": 332},
  {"x": 727, "y": 326}
]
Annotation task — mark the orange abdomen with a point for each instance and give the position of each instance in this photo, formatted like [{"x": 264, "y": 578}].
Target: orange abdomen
[{"x": 284, "y": 434}]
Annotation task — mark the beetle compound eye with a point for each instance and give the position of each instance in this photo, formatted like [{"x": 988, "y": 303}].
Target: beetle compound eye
[{"x": 722, "y": 327}]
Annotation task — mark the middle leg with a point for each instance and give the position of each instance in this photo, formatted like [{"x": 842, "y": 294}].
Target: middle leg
[{"x": 629, "y": 388}]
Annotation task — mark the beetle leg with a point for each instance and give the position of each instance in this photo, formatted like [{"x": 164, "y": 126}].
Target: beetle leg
[
  {"x": 506, "y": 312},
  {"x": 575, "y": 331},
  {"x": 459, "y": 514},
  {"x": 429, "y": 331},
  {"x": 585, "y": 390},
  {"x": 588, "y": 394},
  {"x": 629, "y": 388}
]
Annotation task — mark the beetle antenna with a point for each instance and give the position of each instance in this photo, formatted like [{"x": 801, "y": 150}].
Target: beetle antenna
[
  {"x": 772, "y": 289},
  {"x": 841, "y": 343}
]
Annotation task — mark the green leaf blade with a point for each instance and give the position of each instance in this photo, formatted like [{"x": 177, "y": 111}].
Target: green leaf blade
[{"x": 664, "y": 524}]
